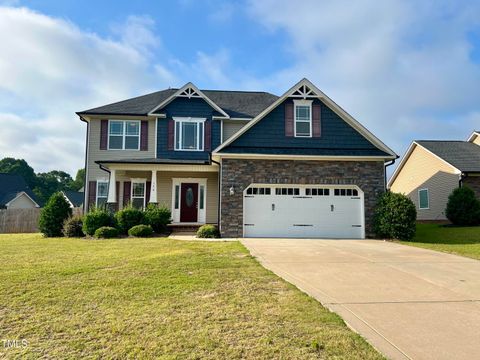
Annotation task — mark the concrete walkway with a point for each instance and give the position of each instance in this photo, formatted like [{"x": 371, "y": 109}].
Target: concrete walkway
[{"x": 407, "y": 302}]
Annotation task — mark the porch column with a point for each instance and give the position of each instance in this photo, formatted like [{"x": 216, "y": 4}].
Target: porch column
[
  {"x": 153, "y": 188},
  {"x": 112, "y": 191}
]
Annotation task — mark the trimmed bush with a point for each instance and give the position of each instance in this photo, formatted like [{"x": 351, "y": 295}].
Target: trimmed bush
[
  {"x": 395, "y": 217},
  {"x": 158, "y": 217},
  {"x": 95, "y": 219},
  {"x": 141, "y": 231},
  {"x": 106, "y": 232},
  {"x": 208, "y": 232},
  {"x": 128, "y": 217},
  {"x": 463, "y": 208},
  {"x": 72, "y": 227},
  {"x": 52, "y": 216}
]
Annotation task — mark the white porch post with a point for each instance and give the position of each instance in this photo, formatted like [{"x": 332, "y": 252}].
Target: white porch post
[
  {"x": 153, "y": 188},
  {"x": 112, "y": 191}
]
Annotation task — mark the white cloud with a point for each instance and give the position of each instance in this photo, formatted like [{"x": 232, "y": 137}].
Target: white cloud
[
  {"x": 403, "y": 68},
  {"x": 52, "y": 69}
]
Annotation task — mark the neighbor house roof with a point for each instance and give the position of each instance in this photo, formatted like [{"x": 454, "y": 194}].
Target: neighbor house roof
[
  {"x": 74, "y": 197},
  {"x": 11, "y": 186},
  {"x": 237, "y": 104},
  {"x": 463, "y": 155}
]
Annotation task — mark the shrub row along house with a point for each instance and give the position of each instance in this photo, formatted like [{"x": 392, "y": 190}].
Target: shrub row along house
[
  {"x": 254, "y": 163},
  {"x": 431, "y": 169}
]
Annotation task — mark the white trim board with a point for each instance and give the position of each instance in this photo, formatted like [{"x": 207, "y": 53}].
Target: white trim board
[
  {"x": 329, "y": 102},
  {"x": 178, "y": 93},
  {"x": 473, "y": 136},
  {"x": 21, "y": 193},
  {"x": 300, "y": 157}
]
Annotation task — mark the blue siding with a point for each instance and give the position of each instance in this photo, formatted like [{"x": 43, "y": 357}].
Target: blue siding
[
  {"x": 183, "y": 107},
  {"x": 337, "y": 137}
]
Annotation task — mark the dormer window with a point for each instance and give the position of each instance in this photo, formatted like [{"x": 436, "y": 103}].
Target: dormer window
[
  {"x": 189, "y": 134},
  {"x": 303, "y": 118}
]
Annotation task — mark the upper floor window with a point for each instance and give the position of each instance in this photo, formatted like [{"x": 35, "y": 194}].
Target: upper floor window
[
  {"x": 423, "y": 199},
  {"x": 124, "y": 135},
  {"x": 303, "y": 118},
  {"x": 189, "y": 134}
]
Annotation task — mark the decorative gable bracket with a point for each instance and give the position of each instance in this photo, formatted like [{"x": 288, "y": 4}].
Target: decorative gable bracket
[
  {"x": 304, "y": 92},
  {"x": 189, "y": 92}
]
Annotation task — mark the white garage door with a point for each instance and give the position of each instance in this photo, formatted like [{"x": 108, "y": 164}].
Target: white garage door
[{"x": 303, "y": 211}]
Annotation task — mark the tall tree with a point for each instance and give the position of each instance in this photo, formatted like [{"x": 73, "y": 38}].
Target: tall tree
[
  {"x": 20, "y": 167},
  {"x": 79, "y": 181},
  {"x": 51, "y": 182}
]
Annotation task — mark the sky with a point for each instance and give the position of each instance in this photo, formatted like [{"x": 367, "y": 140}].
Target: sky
[{"x": 405, "y": 69}]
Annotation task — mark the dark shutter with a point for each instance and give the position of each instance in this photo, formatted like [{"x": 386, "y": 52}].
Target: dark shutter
[
  {"x": 208, "y": 136},
  {"x": 127, "y": 188},
  {"x": 144, "y": 136},
  {"x": 103, "y": 134},
  {"x": 288, "y": 119},
  {"x": 171, "y": 134},
  {"x": 117, "y": 192},
  {"x": 147, "y": 192},
  {"x": 316, "y": 120},
  {"x": 92, "y": 194}
]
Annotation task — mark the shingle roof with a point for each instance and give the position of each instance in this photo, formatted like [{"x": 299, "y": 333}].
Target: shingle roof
[
  {"x": 463, "y": 155},
  {"x": 155, "y": 161},
  {"x": 241, "y": 104},
  {"x": 10, "y": 186},
  {"x": 75, "y": 197}
]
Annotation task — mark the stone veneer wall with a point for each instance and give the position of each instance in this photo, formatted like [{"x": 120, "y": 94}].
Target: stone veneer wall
[
  {"x": 239, "y": 173},
  {"x": 473, "y": 182}
]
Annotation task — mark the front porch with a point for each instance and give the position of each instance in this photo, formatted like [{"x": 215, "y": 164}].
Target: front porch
[{"x": 189, "y": 191}]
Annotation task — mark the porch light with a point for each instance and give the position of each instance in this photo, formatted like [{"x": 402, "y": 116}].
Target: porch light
[{"x": 232, "y": 191}]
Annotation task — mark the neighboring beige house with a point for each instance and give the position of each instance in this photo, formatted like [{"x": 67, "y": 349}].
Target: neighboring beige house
[
  {"x": 431, "y": 169},
  {"x": 15, "y": 194}
]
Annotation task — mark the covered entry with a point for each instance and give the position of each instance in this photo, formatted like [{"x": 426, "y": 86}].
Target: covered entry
[{"x": 303, "y": 211}]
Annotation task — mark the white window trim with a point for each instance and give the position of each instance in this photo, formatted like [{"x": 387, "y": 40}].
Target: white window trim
[
  {"x": 96, "y": 191},
  {"x": 139, "y": 181},
  {"x": 302, "y": 103},
  {"x": 191, "y": 120},
  {"x": 428, "y": 199},
  {"x": 201, "y": 213},
  {"x": 124, "y": 135}
]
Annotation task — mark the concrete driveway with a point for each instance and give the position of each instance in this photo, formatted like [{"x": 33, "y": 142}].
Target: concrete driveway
[{"x": 407, "y": 302}]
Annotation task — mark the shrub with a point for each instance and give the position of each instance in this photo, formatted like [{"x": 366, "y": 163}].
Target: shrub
[
  {"x": 208, "y": 232},
  {"x": 52, "y": 216},
  {"x": 95, "y": 219},
  {"x": 158, "y": 217},
  {"x": 72, "y": 227},
  {"x": 106, "y": 232},
  {"x": 463, "y": 208},
  {"x": 129, "y": 217},
  {"x": 141, "y": 231},
  {"x": 395, "y": 217}
]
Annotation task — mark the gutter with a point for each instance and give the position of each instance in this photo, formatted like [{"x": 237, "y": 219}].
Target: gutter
[
  {"x": 219, "y": 188},
  {"x": 391, "y": 162},
  {"x": 85, "y": 185}
]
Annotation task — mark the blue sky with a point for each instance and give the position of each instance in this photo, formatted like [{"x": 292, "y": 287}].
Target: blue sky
[{"x": 405, "y": 69}]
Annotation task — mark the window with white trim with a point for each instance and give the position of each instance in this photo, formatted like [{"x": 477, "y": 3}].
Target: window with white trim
[
  {"x": 124, "y": 135},
  {"x": 138, "y": 194},
  {"x": 423, "y": 199},
  {"x": 303, "y": 118},
  {"x": 102, "y": 193},
  {"x": 189, "y": 134}
]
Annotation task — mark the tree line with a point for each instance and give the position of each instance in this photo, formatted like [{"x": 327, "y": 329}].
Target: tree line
[{"x": 45, "y": 184}]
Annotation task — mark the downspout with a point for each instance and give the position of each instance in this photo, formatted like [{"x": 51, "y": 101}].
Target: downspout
[
  {"x": 85, "y": 200},
  {"x": 391, "y": 162},
  {"x": 219, "y": 187},
  {"x": 461, "y": 178}
]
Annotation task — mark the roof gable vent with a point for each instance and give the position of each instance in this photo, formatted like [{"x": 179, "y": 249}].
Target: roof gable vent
[
  {"x": 189, "y": 92},
  {"x": 304, "y": 92}
]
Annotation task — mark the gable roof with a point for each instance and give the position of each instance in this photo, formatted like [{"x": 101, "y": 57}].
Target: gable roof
[
  {"x": 74, "y": 197},
  {"x": 235, "y": 104},
  {"x": 11, "y": 186},
  {"x": 306, "y": 88},
  {"x": 463, "y": 155}
]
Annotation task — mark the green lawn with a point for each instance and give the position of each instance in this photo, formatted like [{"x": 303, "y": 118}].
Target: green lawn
[
  {"x": 158, "y": 298},
  {"x": 463, "y": 241}
]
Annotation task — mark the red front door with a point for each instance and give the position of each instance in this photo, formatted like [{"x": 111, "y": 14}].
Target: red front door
[{"x": 189, "y": 202}]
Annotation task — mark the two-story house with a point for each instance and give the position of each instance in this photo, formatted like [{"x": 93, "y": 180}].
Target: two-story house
[{"x": 256, "y": 164}]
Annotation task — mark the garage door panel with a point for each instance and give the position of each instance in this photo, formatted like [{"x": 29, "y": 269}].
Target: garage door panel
[{"x": 302, "y": 216}]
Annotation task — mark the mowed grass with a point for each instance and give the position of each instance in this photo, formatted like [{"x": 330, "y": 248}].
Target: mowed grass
[
  {"x": 158, "y": 298},
  {"x": 464, "y": 241}
]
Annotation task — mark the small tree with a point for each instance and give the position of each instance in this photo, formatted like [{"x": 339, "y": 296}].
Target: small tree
[
  {"x": 395, "y": 217},
  {"x": 463, "y": 208},
  {"x": 53, "y": 215}
]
